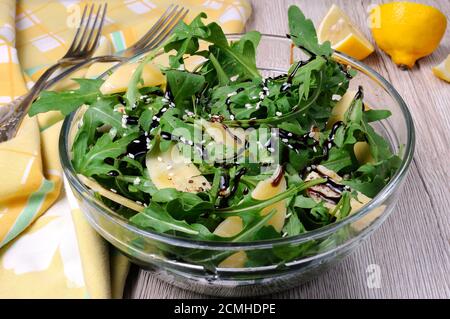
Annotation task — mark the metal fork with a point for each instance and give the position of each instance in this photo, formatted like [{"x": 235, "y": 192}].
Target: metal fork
[
  {"x": 156, "y": 35},
  {"x": 83, "y": 46}
]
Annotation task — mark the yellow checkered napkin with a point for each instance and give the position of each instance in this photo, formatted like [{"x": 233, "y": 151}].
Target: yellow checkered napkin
[{"x": 46, "y": 247}]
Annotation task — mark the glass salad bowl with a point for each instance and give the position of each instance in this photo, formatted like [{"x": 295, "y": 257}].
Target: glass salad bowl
[{"x": 187, "y": 263}]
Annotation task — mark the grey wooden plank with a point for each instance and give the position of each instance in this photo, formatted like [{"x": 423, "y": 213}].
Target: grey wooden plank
[{"x": 412, "y": 246}]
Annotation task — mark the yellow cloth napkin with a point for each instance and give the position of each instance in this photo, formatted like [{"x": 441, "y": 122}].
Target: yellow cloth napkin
[{"x": 47, "y": 249}]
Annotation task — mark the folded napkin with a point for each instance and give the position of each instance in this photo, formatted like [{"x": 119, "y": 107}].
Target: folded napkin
[{"x": 47, "y": 249}]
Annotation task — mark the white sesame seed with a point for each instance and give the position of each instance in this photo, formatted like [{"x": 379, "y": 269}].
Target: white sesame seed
[
  {"x": 330, "y": 145},
  {"x": 138, "y": 202},
  {"x": 124, "y": 121},
  {"x": 284, "y": 234},
  {"x": 284, "y": 140},
  {"x": 231, "y": 94},
  {"x": 164, "y": 100},
  {"x": 159, "y": 159},
  {"x": 136, "y": 141},
  {"x": 164, "y": 109},
  {"x": 171, "y": 104},
  {"x": 130, "y": 155},
  {"x": 314, "y": 149},
  {"x": 136, "y": 181},
  {"x": 271, "y": 149},
  {"x": 169, "y": 167},
  {"x": 248, "y": 106},
  {"x": 190, "y": 143},
  {"x": 290, "y": 146},
  {"x": 336, "y": 97},
  {"x": 154, "y": 118},
  {"x": 278, "y": 113},
  {"x": 313, "y": 166},
  {"x": 113, "y": 190},
  {"x": 232, "y": 117},
  {"x": 289, "y": 134},
  {"x": 171, "y": 174}
]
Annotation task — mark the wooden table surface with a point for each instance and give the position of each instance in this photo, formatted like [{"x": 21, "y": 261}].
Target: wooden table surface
[{"x": 412, "y": 248}]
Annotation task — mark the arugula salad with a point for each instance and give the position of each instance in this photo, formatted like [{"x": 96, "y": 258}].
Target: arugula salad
[{"x": 218, "y": 152}]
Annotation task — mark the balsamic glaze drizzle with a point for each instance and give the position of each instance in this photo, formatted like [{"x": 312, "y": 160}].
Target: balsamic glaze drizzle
[
  {"x": 138, "y": 146},
  {"x": 330, "y": 140},
  {"x": 344, "y": 70},
  {"x": 237, "y": 178},
  {"x": 224, "y": 184},
  {"x": 132, "y": 120},
  {"x": 334, "y": 200}
]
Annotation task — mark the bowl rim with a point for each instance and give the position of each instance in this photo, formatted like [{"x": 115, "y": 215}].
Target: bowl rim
[{"x": 394, "y": 183}]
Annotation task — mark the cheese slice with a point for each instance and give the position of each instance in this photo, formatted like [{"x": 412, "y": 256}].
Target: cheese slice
[
  {"x": 172, "y": 170},
  {"x": 118, "y": 81}
]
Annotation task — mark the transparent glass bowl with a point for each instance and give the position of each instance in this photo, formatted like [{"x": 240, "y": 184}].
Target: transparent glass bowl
[{"x": 187, "y": 263}]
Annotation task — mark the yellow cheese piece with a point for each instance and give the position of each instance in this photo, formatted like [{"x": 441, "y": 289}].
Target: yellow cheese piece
[
  {"x": 237, "y": 260},
  {"x": 118, "y": 81},
  {"x": 362, "y": 153},
  {"x": 171, "y": 170},
  {"x": 338, "y": 111},
  {"x": 230, "y": 227},
  {"x": 265, "y": 190}
]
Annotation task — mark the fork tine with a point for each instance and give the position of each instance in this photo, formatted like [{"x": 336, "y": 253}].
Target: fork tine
[
  {"x": 77, "y": 33},
  {"x": 86, "y": 27},
  {"x": 165, "y": 32},
  {"x": 91, "y": 32},
  {"x": 99, "y": 29},
  {"x": 144, "y": 39}
]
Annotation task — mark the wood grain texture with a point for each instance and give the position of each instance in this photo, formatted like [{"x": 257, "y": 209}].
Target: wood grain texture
[{"x": 412, "y": 247}]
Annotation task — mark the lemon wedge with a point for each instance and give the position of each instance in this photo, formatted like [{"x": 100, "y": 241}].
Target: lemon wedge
[
  {"x": 337, "y": 28},
  {"x": 442, "y": 70},
  {"x": 407, "y": 31}
]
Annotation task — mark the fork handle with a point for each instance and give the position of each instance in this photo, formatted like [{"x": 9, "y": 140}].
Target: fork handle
[{"x": 16, "y": 114}]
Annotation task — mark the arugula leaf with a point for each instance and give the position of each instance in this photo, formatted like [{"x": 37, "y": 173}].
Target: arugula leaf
[
  {"x": 182, "y": 205},
  {"x": 376, "y": 115},
  {"x": 304, "y": 202},
  {"x": 184, "y": 84},
  {"x": 156, "y": 218},
  {"x": 221, "y": 75},
  {"x": 294, "y": 226},
  {"x": 343, "y": 207},
  {"x": 185, "y": 39},
  {"x": 338, "y": 159},
  {"x": 92, "y": 163},
  {"x": 303, "y": 33},
  {"x": 67, "y": 101},
  {"x": 249, "y": 204}
]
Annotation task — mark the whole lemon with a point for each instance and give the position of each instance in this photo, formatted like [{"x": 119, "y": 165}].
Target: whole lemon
[{"x": 407, "y": 31}]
